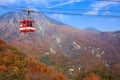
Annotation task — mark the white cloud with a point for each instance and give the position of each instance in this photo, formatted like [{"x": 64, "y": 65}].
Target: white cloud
[
  {"x": 26, "y": 1},
  {"x": 36, "y": 2},
  {"x": 98, "y": 6},
  {"x": 7, "y": 1},
  {"x": 58, "y": 16},
  {"x": 65, "y": 3},
  {"x": 43, "y": 2},
  {"x": 112, "y": 20},
  {"x": 107, "y": 13}
]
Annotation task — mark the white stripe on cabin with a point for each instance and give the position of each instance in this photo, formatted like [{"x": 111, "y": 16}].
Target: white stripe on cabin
[{"x": 27, "y": 28}]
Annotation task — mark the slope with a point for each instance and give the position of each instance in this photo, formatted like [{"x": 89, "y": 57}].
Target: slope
[{"x": 15, "y": 65}]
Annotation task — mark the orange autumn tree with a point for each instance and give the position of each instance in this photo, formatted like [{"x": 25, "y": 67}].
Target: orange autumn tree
[{"x": 91, "y": 77}]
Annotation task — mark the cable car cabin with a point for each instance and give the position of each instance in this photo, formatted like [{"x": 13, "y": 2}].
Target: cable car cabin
[{"x": 27, "y": 26}]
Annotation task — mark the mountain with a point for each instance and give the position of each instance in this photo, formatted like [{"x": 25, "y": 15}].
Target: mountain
[
  {"x": 92, "y": 29},
  {"x": 57, "y": 44},
  {"x": 15, "y": 65}
]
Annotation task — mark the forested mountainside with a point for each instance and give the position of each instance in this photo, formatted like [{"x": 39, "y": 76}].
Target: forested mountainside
[
  {"x": 15, "y": 65},
  {"x": 65, "y": 47}
]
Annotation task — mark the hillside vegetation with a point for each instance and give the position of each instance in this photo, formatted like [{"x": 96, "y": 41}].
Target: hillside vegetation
[{"x": 14, "y": 65}]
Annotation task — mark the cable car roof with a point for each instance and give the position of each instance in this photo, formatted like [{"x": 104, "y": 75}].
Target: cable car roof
[{"x": 27, "y": 20}]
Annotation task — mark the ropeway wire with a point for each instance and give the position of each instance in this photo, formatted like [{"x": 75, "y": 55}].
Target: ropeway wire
[
  {"x": 69, "y": 9},
  {"x": 65, "y": 13},
  {"x": 109, "y": 0}
]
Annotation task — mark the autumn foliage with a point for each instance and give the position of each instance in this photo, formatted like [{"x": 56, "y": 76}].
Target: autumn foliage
[
  {"x": 91, "y": 77},
  {"x": 14, "y": 65},
  {"x": 40, "y": 71}
]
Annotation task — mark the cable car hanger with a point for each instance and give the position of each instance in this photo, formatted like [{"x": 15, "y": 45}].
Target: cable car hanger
[{"x": 27, "y": 25}]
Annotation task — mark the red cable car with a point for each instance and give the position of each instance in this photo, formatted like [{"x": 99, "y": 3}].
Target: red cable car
[{"x": 27, "y": 25}]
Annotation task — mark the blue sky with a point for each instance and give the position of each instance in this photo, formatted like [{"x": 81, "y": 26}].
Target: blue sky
[{"x": 94, "y": 6}]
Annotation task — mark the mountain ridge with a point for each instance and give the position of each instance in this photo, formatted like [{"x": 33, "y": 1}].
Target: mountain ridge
[
  {"x": 92, "y": 29},
  {"x": 61, "y": 40}
]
